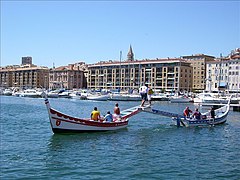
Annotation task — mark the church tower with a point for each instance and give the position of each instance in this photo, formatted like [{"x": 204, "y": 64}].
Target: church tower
[{"x": 130, "y": 55}]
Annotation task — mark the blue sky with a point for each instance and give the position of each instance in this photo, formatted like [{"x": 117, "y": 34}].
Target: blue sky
[{"x": 64, "y": 32}]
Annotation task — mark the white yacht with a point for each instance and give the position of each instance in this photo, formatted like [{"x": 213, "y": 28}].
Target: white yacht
[{"x": 30, "y": 93}]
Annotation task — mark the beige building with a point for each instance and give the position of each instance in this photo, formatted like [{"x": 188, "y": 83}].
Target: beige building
[
  {"x": 68, "y": 77},
  {"x": 198, "y": 63},
  {"x": 160, "y": 74},
  {"x": 24, "y": 76}
]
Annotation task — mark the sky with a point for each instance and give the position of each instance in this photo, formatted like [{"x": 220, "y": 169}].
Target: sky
[{"x": 64, "y": 32}]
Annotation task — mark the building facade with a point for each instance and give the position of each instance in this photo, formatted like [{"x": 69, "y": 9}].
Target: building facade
[
  {"x": 224, "y": 74},
  {"x": 68, "y": 77},
  {"x": 198, "y": 62},
  {"x": 24, "y": 76},
  {"x": 160, "y": 74}
]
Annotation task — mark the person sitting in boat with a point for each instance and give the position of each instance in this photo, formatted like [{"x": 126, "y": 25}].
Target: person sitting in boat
[
  {"x": 95, "y": 115},
  {"x": 197, "y": 114},
  {"x": 116, "y": 111},
  {"x": 149, "y": 95},
  {"x": 187, "y": 112},
  {"x": 108, "y": 117}
]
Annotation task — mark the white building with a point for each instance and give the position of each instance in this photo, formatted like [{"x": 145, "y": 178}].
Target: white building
[{"x": 223, "y": 75}]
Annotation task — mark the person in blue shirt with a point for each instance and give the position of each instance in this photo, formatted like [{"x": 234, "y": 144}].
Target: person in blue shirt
[{"x": 108, "y": 117}]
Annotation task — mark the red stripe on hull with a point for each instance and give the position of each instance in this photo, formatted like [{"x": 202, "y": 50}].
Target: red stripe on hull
[{"x": 95, "y": 123}]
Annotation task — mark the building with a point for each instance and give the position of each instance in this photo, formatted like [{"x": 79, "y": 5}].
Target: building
[
  {"x": 162, "y": 74},
  {"x": 24, "y": 76},
  {"x": 68, "y": 77},
  {"x": 198, "y": 62},
  {"x": 223, "y": 74}
]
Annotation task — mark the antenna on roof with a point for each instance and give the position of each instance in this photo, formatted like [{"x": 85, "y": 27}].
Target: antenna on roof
[{"x": 53, "y": 66}]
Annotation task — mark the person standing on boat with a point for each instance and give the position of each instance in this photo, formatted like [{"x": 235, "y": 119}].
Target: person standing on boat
[
  {"x": 187, "y": 112},
  {"x": 143, "y": 92},
  {"x": 95, "y": 115},
  {"x": 212, "y": 113},
  {"x": 197, "y": 114},
  {"x": 149, "y": 95},
  {"x": 108, "y": 117}
]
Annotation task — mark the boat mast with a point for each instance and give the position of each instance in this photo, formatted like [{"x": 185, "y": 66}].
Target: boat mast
[{"x": 120, "y": 72}]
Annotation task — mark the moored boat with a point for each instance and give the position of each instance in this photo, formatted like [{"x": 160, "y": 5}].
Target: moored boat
[
  {"x": 180, "y": 99},
  {"x": 125, "y": 97},
  {"x": 98, "y": 97},
  {"x": 7, "y": 92},
  {"x": 30, "y": 93}
]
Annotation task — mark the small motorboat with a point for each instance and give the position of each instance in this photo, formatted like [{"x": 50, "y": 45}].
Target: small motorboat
[
  {"x": 98, "y": 97},
  {"x": 124, "y": 97},
  {"x": 63, "y": 123},
  {"x": 180, "y": 99}
]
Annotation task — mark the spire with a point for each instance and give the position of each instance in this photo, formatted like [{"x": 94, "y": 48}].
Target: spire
[{"x": 130, "y": 55}]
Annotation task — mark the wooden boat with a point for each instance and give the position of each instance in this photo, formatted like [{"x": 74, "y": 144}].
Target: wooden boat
[
  {"x": 62, "y": 123},
  {"x": 206, "y": 120}
]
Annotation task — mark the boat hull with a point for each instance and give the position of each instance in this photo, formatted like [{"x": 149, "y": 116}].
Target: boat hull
[
  {"x": 220, "y": 118},
  {"x": 62, "y": 123}
]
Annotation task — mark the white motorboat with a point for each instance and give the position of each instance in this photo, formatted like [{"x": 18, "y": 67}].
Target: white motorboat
[
  {"x": 30, "y": 93},
  {"x": 98, "y": 97},
  {"x": 125, "y": 97},
  {"x": 180, "y": 99},
  {"x": 160, "y": 97},
  {"x": 7, "y": 92},
  {"x": 209, "y": 98}
]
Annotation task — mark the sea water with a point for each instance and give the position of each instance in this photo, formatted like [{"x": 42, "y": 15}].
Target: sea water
[{"x": 149, "y": 148}]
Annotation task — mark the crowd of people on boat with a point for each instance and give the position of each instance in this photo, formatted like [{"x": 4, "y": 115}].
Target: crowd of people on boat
[
  {"x": 197, "y": 114},
  {"x": 96, "y": 115}
]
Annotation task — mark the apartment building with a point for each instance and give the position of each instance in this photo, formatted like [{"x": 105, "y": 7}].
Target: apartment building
[
  {"x": 24, "y": 76},
  {"x": 224, "y": 74},
  {"x": 198, "y": 62},
  {"x": 68, "y": 77},
  {"x": 160, "y": 74}
]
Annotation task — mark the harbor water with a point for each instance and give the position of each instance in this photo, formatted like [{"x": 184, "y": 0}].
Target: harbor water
[{"x": 149, "y": 148}]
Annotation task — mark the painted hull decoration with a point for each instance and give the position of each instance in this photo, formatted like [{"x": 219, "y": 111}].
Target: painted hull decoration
[
  {"x": 62, "y": 123},
  {"x": 206, "y": 120}
]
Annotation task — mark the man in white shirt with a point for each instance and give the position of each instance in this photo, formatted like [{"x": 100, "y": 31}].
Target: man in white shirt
[{"x": 143, "y": 92}]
